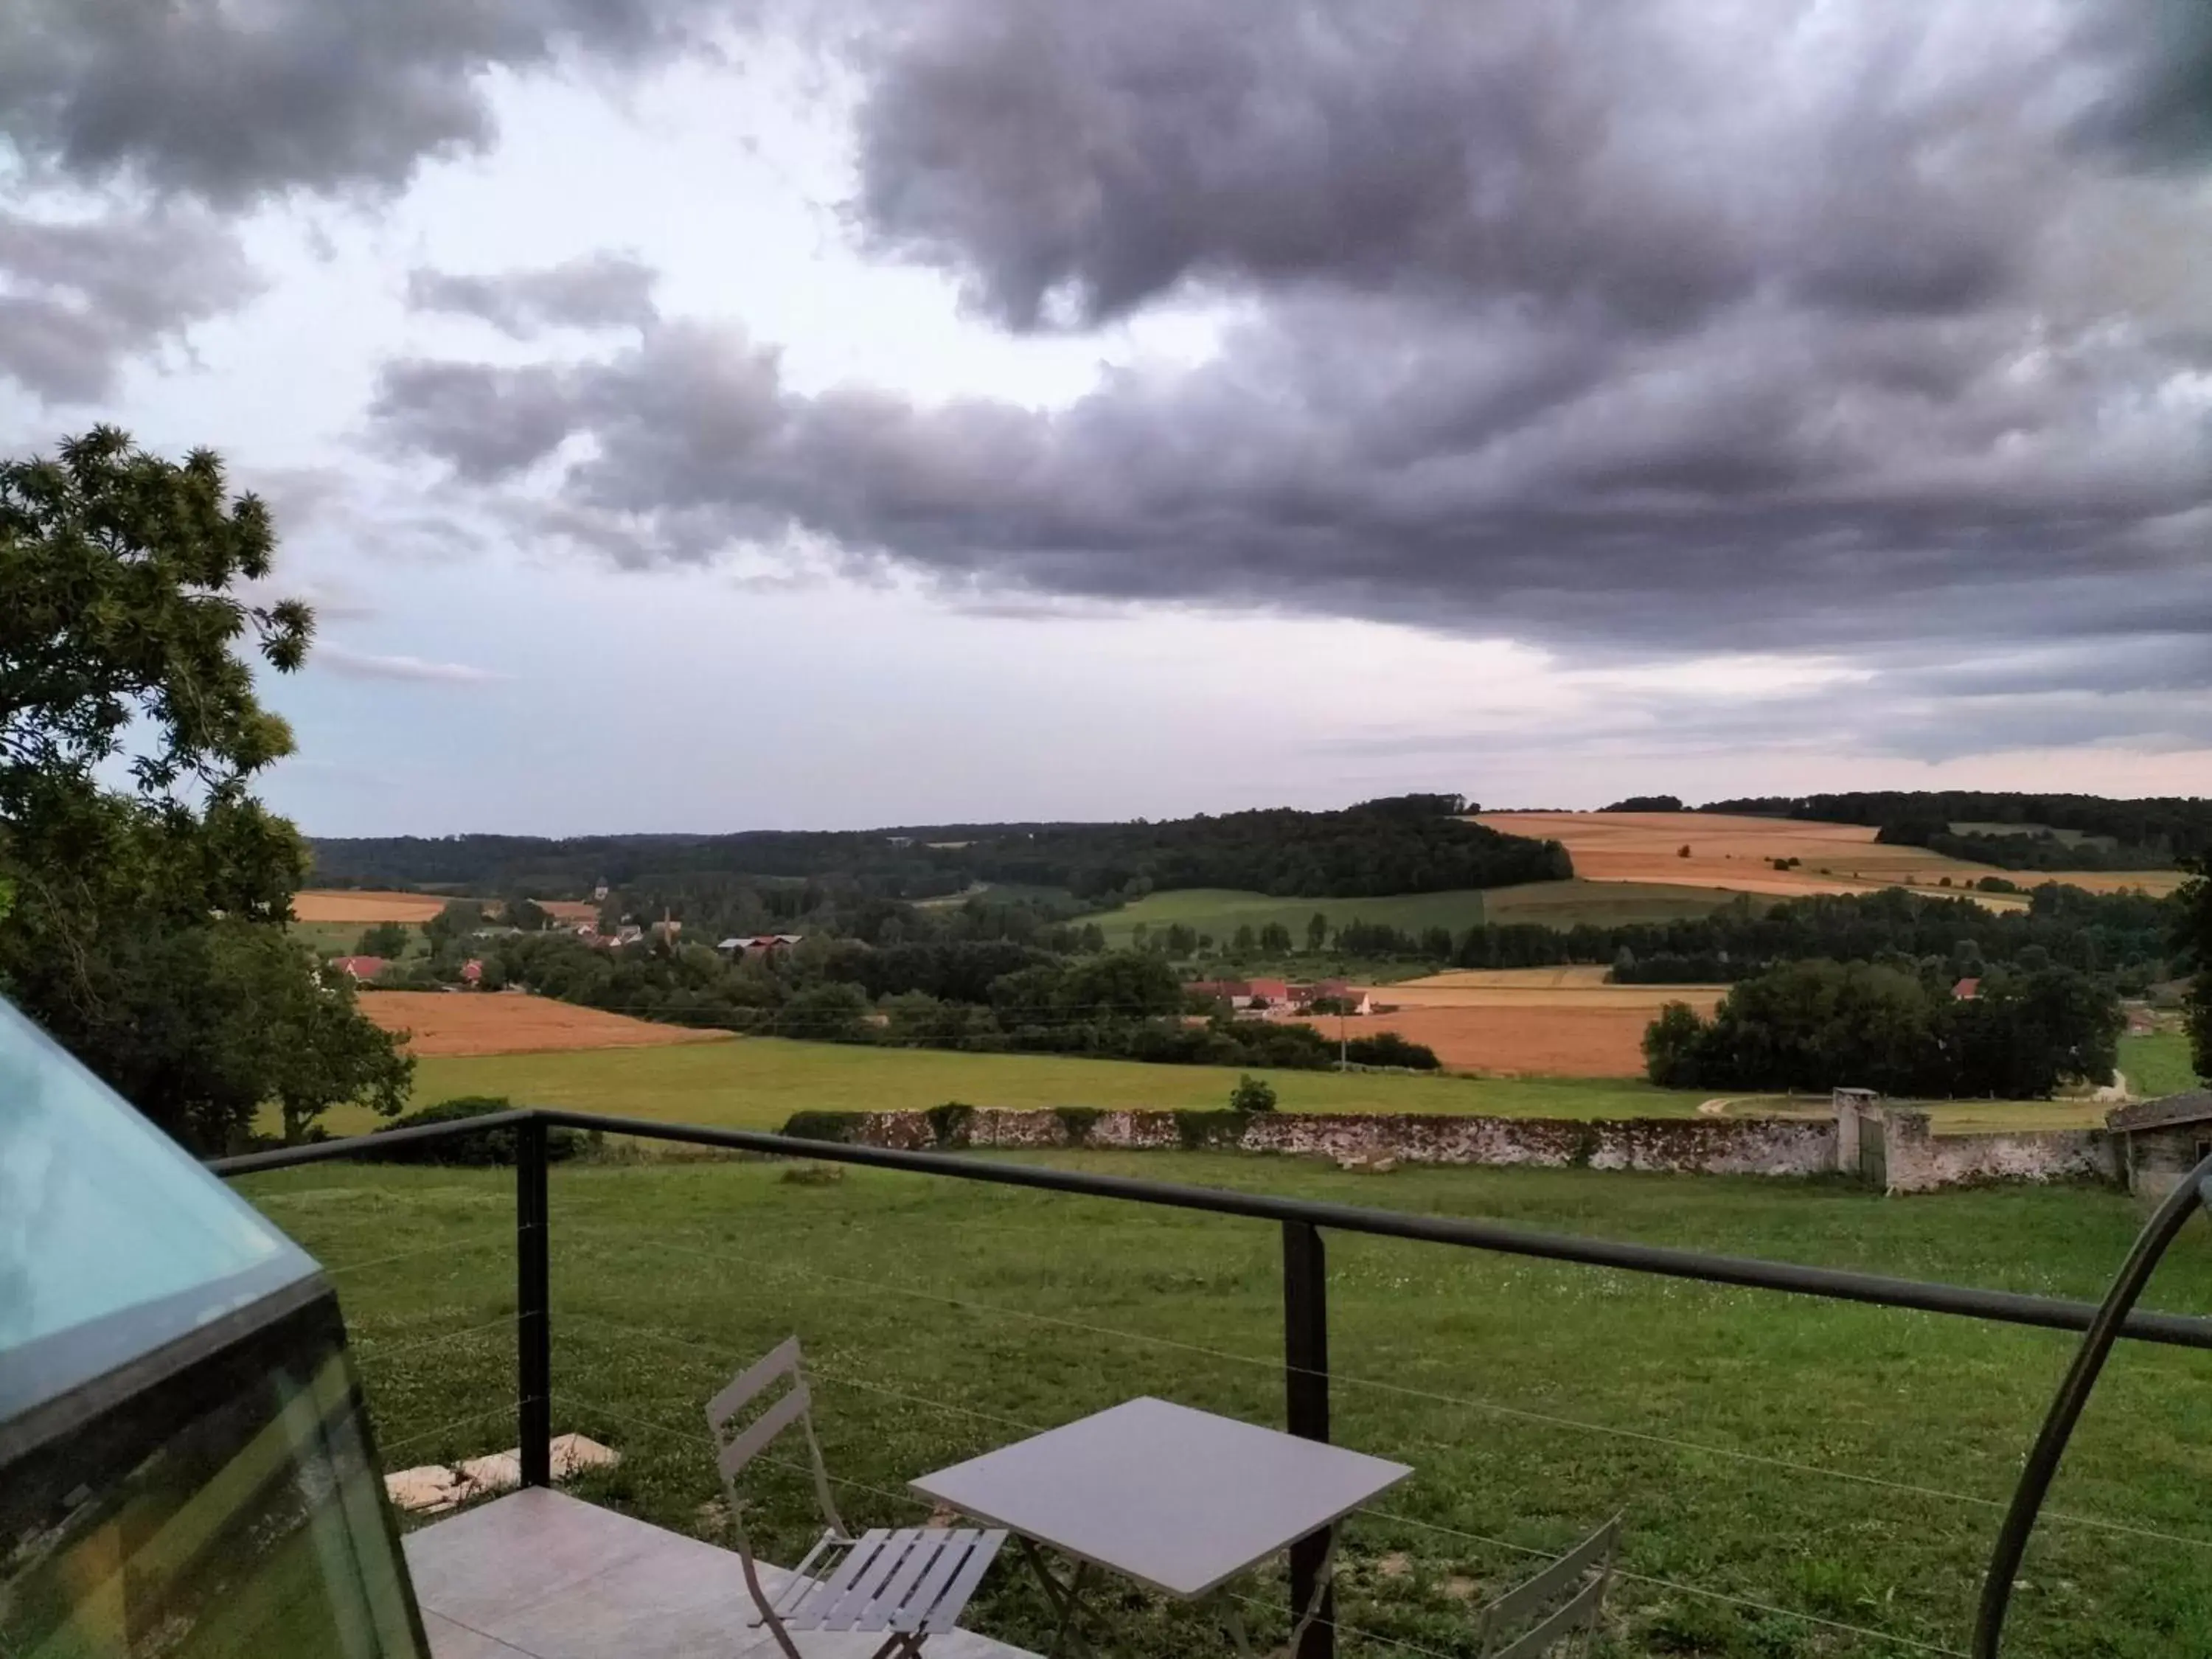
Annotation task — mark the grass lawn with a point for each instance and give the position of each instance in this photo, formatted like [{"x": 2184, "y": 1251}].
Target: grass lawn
[
  {"x": 1839, "y": 1463},
  {"x": 757, "y": 1082},
  {"x": 2157, "y": 1064}
]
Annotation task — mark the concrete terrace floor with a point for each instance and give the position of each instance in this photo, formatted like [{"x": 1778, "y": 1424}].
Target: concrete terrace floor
[{"x": 543, "y": 1575}]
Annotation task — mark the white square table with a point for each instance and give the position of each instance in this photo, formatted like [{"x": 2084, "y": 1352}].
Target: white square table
[{"x": 1180, "y": 1500}]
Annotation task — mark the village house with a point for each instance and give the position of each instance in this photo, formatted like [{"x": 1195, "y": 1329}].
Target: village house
[
  {"x": 755, "y": 947},
  {"x": 359, "y": 969}
]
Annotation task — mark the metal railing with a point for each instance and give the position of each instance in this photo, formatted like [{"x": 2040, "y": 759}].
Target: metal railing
[{"x": 1305, "y": 1274}]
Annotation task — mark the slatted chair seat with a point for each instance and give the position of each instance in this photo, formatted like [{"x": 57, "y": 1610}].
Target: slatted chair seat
[
  {"x": 906, "y": 1585},
  {"x": 1559, "y": 1602}
]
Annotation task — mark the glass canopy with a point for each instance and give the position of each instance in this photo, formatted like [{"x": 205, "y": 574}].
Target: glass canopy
[{"x": 112, "y": 1241}]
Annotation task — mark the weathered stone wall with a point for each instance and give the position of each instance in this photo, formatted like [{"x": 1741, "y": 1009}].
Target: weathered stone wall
[
  {"x": 1769, "y": 1146},
  {"x": 1916, "y": 1160},
  {"x": 1921, "y": 1162}
]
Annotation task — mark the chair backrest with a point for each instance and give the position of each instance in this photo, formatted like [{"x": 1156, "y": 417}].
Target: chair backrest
[
  {"x": 737, "y": 1445},
  {"x": 1563, "y": 1599}
]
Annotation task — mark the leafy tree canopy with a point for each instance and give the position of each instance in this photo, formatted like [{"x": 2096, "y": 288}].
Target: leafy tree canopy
[{"x": 147, "y": 890}]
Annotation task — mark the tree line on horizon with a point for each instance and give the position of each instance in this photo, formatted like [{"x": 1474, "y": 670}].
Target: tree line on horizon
[{"x": 1418, "y": 844}]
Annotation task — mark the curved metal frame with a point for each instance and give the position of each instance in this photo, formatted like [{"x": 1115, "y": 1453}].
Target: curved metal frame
[{"x": 2073, "y": 1395}]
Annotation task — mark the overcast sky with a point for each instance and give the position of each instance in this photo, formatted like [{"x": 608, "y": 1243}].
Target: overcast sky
[{"x": 713, "y": 414}]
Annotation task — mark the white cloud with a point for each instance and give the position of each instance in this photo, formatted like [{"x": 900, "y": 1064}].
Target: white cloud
[{"x": 370, "y": 665}]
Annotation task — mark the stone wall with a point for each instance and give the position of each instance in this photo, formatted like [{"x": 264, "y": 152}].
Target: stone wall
[
  {"x": 1770, "y": 1146},
  {"x": 1917, "y": 1161},
  {"x": 1921, "y": 1162}
]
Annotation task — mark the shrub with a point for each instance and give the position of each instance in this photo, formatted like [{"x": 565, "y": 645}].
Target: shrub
[
  {"x": 490, "y": 1147},
  {"x": 1253, "y": 1094},
  {"x": 1389, "y": 1048},
  {"x": 1076, "y": 1121},
  {"x": 820, "y": 1126},
  {"x": 948, "y": 1124}
]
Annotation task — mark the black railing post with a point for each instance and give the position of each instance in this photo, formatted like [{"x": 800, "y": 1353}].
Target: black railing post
[
  {"x": 533, "y": 1333},
  {"x": 1305, "y": 1390}
]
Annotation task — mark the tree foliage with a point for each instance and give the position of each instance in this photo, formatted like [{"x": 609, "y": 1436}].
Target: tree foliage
[
  {"x": 145, "y": 926},
  {"x": 1813, "y": 1026}
]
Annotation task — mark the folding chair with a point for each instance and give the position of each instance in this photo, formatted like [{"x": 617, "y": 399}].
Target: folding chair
[
  {"x": 1561, "y": 1601},
  {"x": 906, "y": 1585}
]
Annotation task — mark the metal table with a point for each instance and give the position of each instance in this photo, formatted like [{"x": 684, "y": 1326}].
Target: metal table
[{"x": 1180, "y": 1500}]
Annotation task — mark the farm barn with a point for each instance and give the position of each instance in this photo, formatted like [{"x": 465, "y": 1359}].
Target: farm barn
[{"x": 2162, "y": 1140}]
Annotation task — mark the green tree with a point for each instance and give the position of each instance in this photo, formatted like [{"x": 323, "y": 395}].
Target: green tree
[
  {"x": 388, "y": 939},
  {"x": 459, "y": 920},
  {"x": 1671, "y": 1044},
  {"x": 2193, "y": 936},
  {"x": 1275, "y": 939},
  {"x": 1316, "y": 931},
  {"x": 1246, "y": 940},
  {"x": 150, "y": 889},
  {"x": 525, "y": 914}
]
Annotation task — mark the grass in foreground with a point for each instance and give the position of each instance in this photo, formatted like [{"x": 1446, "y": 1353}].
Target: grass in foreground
[{"x": 1835, "y": 1465}]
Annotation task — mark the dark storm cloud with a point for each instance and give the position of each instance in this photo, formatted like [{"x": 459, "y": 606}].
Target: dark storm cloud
[
  {"x": 1666, "y": 328},
  {"x": 1744, "y": 486},
  {"x": 1644, "y": 163},
  {"x": 595, "y": 290},
  {"x": 80, "y": 296},
  {"x": 232, "y": 102}
]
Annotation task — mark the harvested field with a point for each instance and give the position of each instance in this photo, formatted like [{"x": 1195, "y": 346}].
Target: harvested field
[
  {"x": 510, "y": 1023},
  {"x": 569, "y": 911},
  {"x": 1737, "y": 853},
  {"x": 1534, "y": 1039},
  {"x": 341, "y": 905},
  {"x": 1520, "y": 989},
  {"x": 1734, "y": 852},
  {"x": 1527, "y": 1022}
]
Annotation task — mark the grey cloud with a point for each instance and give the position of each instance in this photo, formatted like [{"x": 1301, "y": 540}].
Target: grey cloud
[
  {"x": 592, "y": 291},
  {"x": 80, "y": 295},
  {"x": 2156, "y": 108},
  {"x": 487, "y": 424},
  {"x": 1073, "y": 161},
  {"x": 1753, "y": 485},
  {"x": 1681, "y": 327},
  {"x": 231, "y": 102}
]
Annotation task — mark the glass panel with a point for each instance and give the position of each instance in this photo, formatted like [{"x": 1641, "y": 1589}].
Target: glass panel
[
  {"x": 231, "y": 1511},
  {"x": 112, "y": 1240}
]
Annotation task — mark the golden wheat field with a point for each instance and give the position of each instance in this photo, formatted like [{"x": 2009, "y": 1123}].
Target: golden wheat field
[
  {"x": 336, "y": 904},
  {"x": 1705, "y": 850}
]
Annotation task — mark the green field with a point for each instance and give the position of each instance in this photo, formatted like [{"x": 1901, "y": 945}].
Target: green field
[
  {"x": 2157, "y": 1064},
  {"x": 757, "y": 1082},
  {"x": 339, "y": 939},
  {"x": 1792, "y": 1472},
  {"x": 1220, "y": 911},
  {"x": 1605, "y": 903}
]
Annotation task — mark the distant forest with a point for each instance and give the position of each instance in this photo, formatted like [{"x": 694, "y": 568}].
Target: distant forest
[
  {"x": 1406, "y": 844},
  {"x": 2012, "y": 830}
]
